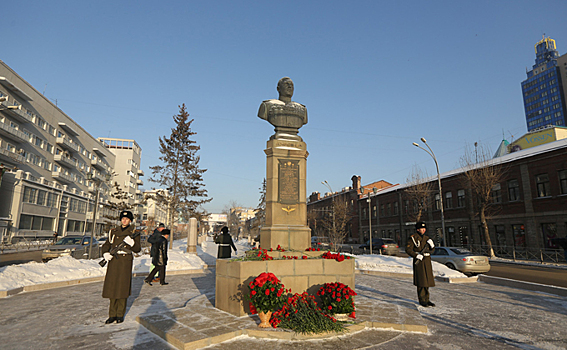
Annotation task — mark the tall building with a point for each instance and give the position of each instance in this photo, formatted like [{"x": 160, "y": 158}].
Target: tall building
[
  {"x": 55, "y": 166},
  {"x": 544, "y": 90},
  {"x": 127, "y": 170}
]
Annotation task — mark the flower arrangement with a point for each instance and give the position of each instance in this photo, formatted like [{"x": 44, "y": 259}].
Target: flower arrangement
[
  {"x": 291, "y": 257},
  {"x": 310, "y": 249},
  {"x": 301, "y": 314},
  {"x": 337, "y": 256},
  {"x": 266, "y": 293},
  {"x": 258, "y": 254},
  {"x": 337, "y": 298}
]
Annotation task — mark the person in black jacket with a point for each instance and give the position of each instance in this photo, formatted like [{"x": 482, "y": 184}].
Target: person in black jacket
[
  {"x": 159, "y": 258},
  {"x": 152, "y": 239},
  {"x": 225, "y": 243}
]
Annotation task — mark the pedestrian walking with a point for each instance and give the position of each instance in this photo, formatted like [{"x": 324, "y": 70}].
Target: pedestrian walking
[
  {"x": 225, "y": 243},
  {"x": 154, "y": 238},
  {"x": 159, "y": 258},
  {"x": 118, "y": 280},
  {"x": 55, "y": 235},
  {"x": 419, "y": 247}
]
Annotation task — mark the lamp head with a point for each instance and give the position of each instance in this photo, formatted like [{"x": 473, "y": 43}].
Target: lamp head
[
  {"x": 415, "y": 144},
  {"x": 361, "y": 190},
  {"x": 423, "y": 140},
  {"x": 374, "y": 189}
]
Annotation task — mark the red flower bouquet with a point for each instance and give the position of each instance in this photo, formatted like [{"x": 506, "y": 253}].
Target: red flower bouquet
[
  {"x": 337, "y": 298},
  {"x": 266, "y": 293}
]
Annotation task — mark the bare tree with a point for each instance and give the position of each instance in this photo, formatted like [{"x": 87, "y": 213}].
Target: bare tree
[
  {"x": 260, "y": 212},
  {"x": 481, "y": 174},
  {"x": 335, "y": 223},
  {"x": 312, "y": 220},
  {"x": 418, "y": 193},
  {"x": 233, "y": 223}
]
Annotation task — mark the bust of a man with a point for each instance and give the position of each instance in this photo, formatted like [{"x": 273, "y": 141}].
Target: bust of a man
[{"x": 284, "y": 114}]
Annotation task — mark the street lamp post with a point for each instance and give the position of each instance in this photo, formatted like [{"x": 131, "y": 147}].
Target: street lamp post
[
  {"x": 333, "y": 199},
  {"x": 430, "y": 152},
  {"x": 374, "y": 189}
]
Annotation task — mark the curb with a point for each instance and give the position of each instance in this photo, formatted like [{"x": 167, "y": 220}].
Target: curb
[
  {"x": 410, "y": 275},
  {"x": 60, "y": 284},
  {"x": 536, "y": 287}
]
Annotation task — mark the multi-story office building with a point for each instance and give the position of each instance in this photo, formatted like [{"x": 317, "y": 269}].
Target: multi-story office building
[
  {"x": 152, "y": 211},
  {"x": 127, "y": 170},
  {"x": 544, "y": 90},
  {"x": 56, "y": 167}
]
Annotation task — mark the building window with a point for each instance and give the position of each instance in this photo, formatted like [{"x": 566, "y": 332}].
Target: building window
[
  {"x": 395, "y": 208},
  {"x": 448, "y": 200},
  {"x": 496, "y": 194},
  {"x": 461, "y": 198},
  {"x": 542, "y": 183},
  {"x": 549, "y": 231},
  {"x": 500, "y": 235},
  {"x": 519, "y": 236},
  {"x": 406, "y": 207},
  {"x": 30, "y": 195},
  {"x": 382, "y": 211},
  {"x": 374, "y": 211},
  {"x": 563, "y": 181},
  {"x": 389, "y": 213},
  {"x": 32, "y": 222},
  {"x": 437, "y": 202},
  {"x": 513, "y": 190}
]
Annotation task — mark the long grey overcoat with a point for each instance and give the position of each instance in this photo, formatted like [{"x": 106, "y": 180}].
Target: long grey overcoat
[
  {"x": 118, "y": 279},
  {"x": 422, "y": 271}
]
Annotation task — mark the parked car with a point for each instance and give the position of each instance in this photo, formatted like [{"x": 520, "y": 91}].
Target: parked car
[
  {"x": 461, "y": 259},
  {"x": 74, "y": 246},
  {"x": 102, "y": 240},
  {"x": 385, "y": 246},
  {"x": 320, "y": 242}
]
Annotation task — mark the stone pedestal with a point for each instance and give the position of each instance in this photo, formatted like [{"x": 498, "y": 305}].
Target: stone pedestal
[
  {"x": 192, "y": 236},
  {"x": 233, "y": 277},
  {"x": 286, "y": 195}
]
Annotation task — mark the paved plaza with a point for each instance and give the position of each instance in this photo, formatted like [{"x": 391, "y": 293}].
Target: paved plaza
[{"x": 467, "y": 316}]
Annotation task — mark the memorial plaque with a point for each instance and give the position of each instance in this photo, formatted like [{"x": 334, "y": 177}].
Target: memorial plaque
[{"x": 288, "y": 181}]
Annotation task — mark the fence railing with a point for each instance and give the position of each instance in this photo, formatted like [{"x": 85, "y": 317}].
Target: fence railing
[{"x": 507, "y": 252}]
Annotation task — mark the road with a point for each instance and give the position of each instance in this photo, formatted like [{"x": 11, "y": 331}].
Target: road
[{"x": 529, "y": 273}]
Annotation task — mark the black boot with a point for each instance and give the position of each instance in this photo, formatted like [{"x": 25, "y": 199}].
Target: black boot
[
  {"x": 148, "y": 282},
  {"x": 110, "y": 320},
  {"x": 119, "y": 319},
  {"x": 430, "y": 304},
  {"x": 424, "y": 304}
]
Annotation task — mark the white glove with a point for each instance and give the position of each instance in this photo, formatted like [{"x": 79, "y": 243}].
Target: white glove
[
  {"x": 107, "y": 256},
  {"x": 128, "y": 240},
  {"x": 430, "y": 242},
  {"x": 419, "y": 257}
]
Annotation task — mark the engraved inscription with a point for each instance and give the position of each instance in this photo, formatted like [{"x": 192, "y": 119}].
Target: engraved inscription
[{"x": 288, "y": 181}]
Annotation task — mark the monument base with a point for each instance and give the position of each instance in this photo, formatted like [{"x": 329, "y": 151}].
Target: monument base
[
  {"x": 286, "y": 236},
  {"x": 305, "y": 275}
]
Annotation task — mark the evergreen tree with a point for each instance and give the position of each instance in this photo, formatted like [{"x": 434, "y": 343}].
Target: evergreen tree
[
  {"x": 260, "y": 211},
  {"x": 180, "y": 173}
]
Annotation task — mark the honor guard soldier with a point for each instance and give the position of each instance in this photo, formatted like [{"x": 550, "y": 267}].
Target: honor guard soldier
[
  {"x": 118, "y": 280},
  {"x": 419, "y": 247}
]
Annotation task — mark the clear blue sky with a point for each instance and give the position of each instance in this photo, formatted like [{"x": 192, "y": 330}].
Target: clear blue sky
[{"x": 375, "y": 77}]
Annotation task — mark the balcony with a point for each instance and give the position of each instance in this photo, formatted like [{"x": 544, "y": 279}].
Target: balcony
[
  {"x": 140, "y": 182},
  {"x": 58, "y": 175},
  {"x": 140, "y": 172},
  {"x": 13, "y": 133},
  {"x": 65, "y": 161},
  {"x": 98, "y": 164},
  {"x": 63, "y": 141},
  {"x": 16, "y": 112},
  {"x": 11, "y": 156},
  {"x": 92, "y": 188}
]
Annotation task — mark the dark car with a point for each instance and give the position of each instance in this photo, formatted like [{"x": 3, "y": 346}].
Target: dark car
[
  {"x": 74, "y": 246},
  {"x": 461, "y": 259},
  {"x": 385, "y": 246}
]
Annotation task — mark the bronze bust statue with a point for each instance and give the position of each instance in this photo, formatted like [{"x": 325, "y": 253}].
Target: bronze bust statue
[{"x": 284, "y": 114}]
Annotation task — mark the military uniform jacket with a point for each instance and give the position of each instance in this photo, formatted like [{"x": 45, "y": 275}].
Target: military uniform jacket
[
  {"x": 225, "y": 242},
  {"x": 422, "y": 271},
  {"x": 118, "y": 279}
]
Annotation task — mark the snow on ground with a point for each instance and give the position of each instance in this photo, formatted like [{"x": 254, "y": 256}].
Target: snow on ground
[{"x": 67, "y": 268}]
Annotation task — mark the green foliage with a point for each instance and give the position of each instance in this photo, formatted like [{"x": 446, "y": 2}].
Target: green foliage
[{"x": 301, "y": 314}]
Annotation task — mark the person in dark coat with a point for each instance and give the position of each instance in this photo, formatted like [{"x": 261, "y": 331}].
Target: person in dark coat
[
  {"x": 118, "y": 280},
  {"x": 154, "y": 238},
  {"x": 159, "y": 258},
  {"x": 225, "y": 243},
  {"x": 419, "y": 247}
]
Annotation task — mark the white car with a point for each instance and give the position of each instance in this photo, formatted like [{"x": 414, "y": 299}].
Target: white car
[{"x": 461, "y": 259}]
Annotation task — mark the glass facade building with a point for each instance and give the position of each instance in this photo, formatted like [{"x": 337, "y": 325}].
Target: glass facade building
[{"x": 543, "y": 90}]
